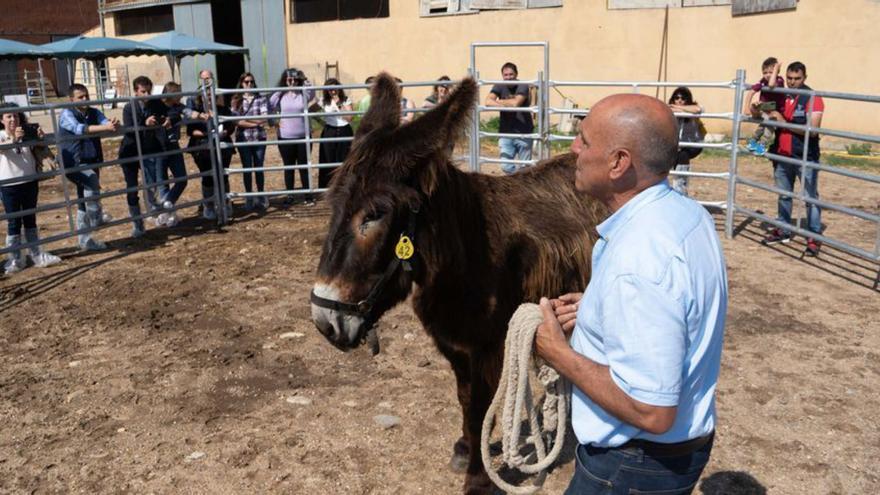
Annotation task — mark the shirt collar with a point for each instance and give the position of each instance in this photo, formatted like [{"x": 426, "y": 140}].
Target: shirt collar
[{"x": 621, "y": 217}]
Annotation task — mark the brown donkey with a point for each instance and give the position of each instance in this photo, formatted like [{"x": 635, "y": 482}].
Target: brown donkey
[{"x": 469, "y": 247}]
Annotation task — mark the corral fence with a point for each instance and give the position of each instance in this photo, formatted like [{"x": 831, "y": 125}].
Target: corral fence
[{"x": 544, "y": 135}]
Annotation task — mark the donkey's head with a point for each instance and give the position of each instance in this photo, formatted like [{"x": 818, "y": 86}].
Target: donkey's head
[{"x": 371, "y": 253}]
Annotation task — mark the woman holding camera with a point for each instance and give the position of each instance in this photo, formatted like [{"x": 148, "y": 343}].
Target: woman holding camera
[
  {"x": 335, "y": 126},
  {"x": 292, "y": 102},
  {"x": 18, "y": 162}
]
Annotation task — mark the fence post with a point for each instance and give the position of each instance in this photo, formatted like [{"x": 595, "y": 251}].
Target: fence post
[
  {"x": 64, "y": 185},
  {"x": 739, "y": 86},
  {"x": 542, "y": 131},
  {"x": 475, "y": 125},
  {"x": 307, "y": 124},
  {"x": 209, "y": 99},
  {"x": 140, "y": 150}
]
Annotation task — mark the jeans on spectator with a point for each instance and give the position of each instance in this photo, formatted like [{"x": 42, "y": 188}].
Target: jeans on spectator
[
  {"x": 785, "y": 175},
  {"x": 88, "y": 184},
  {"x": 20, "y": 197},
  {"x": 514, "y": 149},
  {"x": 153, "y": 172},
  {"x": 203, "y": 162},
  {"x": 682, "y": 164},
  {"x": 625, "y": 471},
  {"x": 176, "y": 165},
  {"x": 295, "y": 154},
  {"x": 253, "y": 157}
]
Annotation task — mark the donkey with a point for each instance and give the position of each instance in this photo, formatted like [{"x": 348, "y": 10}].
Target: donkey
[{"x": 469, "y": 247}]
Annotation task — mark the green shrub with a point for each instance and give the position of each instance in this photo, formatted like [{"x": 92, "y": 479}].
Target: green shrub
[{"x": 858, "y": 149}]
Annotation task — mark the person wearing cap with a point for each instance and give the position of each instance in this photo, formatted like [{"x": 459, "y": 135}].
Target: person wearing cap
[{"x": 293, "y": 128}]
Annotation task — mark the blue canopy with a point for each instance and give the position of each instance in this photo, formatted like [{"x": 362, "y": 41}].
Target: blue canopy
[
  {"x": 10, "y": 49},
  {"x": 177, "y": 44},
  {"x": 97, "y": 48}
]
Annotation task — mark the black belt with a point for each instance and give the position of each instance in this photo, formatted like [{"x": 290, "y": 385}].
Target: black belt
[{"x": 655, "y": 449}]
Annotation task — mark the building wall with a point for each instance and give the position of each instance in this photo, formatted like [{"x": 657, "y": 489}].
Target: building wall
[
  {"x": 590, "y": 42},
  {"x": 36, "y": 23}
]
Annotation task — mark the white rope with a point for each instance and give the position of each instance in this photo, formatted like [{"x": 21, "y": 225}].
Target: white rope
[{"x": 514, "y": 395}]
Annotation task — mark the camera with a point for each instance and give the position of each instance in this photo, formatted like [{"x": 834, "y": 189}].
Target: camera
[{"x": 30, "y": 132}]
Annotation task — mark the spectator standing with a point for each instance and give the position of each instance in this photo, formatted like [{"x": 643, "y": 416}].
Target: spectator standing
[
  {"x": 293, "y": 102},
  {"x": 176, "y": 113},
  {"x": 405, "y": 105},
  {"x": 768, "y": 106},
  {"x": 364, "y": 103},
  {"x": 511, "y": 96},
  {"x": 644, "y": 353},
  {"x": 198, "y": 133},
  {"x": 438, "y": 94},
  {"x": 18, "y": 162},
  {"x": 151, "y": 118},
  {"x": 689, "y": 131},
  {"x": 801, "y": 110},
  {"x": 251, "y": 103},
  {"x": 335, "y": 126},
  {"x": 76, "y": 152}
]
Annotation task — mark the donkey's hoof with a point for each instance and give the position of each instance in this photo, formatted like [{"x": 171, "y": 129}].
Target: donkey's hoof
[
  {"x": 458, "y": 463},
  {"x": 460, "y": 456}
]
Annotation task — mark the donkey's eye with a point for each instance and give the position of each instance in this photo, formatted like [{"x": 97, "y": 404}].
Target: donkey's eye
[{"x": 370, "y": 219}]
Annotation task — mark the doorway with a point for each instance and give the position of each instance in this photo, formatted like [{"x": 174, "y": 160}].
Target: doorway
[{"x": 226, "y": 22}]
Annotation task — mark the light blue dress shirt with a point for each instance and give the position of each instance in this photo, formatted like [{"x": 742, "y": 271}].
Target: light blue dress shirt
[{"x": 654, "y": 314}]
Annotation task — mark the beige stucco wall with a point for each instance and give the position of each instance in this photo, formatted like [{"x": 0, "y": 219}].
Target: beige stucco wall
[{"x": 837, "y": 40}]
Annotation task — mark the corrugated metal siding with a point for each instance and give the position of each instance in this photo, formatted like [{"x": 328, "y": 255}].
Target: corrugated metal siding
[
  {"x": 194, "y": 19},
  {"x": 264, "y": 33}
]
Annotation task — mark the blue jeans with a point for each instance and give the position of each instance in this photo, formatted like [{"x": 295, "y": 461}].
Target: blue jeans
[
  {"x": 515, "y": 149},
  {"x": 88, "y": 184},
  {"x": 625, "y": 471},
  {"x": 785, "y": 174},
  {"x": 153, "y": 168},
  {"x": 16, "y": 198},
  {"x": 252, "y": 157},
  {"x": 178, "y": 169}
]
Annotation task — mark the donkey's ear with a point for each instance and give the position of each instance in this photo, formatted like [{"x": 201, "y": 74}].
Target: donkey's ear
[
  {"x": 438, "y": 129},
  {"x": 384, "y": 111}
]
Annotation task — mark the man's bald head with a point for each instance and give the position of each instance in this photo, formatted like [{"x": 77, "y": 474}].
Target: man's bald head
[{"x": 641, "y": 124}]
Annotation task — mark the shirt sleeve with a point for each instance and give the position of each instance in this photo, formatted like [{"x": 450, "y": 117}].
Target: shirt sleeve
[
  {"x": 756, "y": 87},
  {"x": 69, "y": 123},
  {"x": 102, "y": 119},
  {"x": 818, "y": 104},
  {"x": 496, "y": 89},
  {"x": 523, "y": 89},
  {"x": 645, "y": 333}
]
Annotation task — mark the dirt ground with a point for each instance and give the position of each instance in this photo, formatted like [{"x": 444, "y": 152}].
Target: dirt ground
[{"x": 186, "y": 362}]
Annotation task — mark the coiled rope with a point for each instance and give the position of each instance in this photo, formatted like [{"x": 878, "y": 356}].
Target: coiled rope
[{"x": 514, "y": 395}]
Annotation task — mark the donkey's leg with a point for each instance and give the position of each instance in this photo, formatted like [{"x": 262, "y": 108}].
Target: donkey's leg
[
  {"x": 461, "y": 367},
  {"x": 485, "y": 373}
]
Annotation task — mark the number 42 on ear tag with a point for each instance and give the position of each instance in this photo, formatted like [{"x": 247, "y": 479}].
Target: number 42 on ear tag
[{"x": 404, "y": 249}]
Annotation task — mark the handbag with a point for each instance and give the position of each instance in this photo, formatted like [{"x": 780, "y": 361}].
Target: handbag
[{"x": 44, "y": 159}]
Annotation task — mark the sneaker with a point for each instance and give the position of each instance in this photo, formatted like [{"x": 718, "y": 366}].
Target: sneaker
[
  {"x": 309, "y": 202},
  {"x": 813, "y": 247},
  {"x": 44, "y": 259},
  {"x": 261, "y": 203},
  {"x": 209, "y": 214},
  {"x": 776, "y": 236},
  {"x": 172, "y": 220},
  {"x": 248, "y": 203},
  {"x": 14, "y": 266},
  {"x": 167, "y": 205},
  {"x": 104, "y": 218},
  {"x": 161, "y": 219},
  {"x": 93, "y": 245},
  {"x": 752, "y": 144},
  {"x": 289, "y": 200}
]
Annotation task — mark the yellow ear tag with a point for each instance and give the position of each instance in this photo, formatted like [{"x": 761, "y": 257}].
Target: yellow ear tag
[{"x": 404, "y": 249}]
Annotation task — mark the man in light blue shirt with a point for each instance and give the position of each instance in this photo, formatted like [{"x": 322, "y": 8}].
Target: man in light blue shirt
[{"x": 646, "y": 337}]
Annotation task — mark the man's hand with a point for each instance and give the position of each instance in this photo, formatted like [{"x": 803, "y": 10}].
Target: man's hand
[
  {"x": 550, "y": 339},
  {"x": 18, "y": 134},
  {"x": 566, "y": 307},
  {"x": 166, "y": 123},
  {"x": 151, "y": 120}
]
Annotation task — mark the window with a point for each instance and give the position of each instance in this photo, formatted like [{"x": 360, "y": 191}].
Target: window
[
  {"x": 744, "y": 7},
  {"x": 446, "y": 7},
  {"x": 336, "y": 10},
  {"x": 142, "y": 21}
]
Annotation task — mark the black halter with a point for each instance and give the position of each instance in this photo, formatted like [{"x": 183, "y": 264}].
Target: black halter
[{"x": 364, "y": 307}]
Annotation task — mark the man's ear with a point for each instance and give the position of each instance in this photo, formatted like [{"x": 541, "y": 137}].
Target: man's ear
[{"x": 620, "y": 163}]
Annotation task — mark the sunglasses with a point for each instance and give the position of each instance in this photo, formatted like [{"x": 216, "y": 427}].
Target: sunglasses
[{"x": 247, "y": 81}]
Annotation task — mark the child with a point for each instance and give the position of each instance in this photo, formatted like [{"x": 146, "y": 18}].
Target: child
[
  {"x": 19, "y": 162},
  {"x": 76, "y": 152},
  {"x": 768, "y": 106},
  {"x": 176, "y": 113}
]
